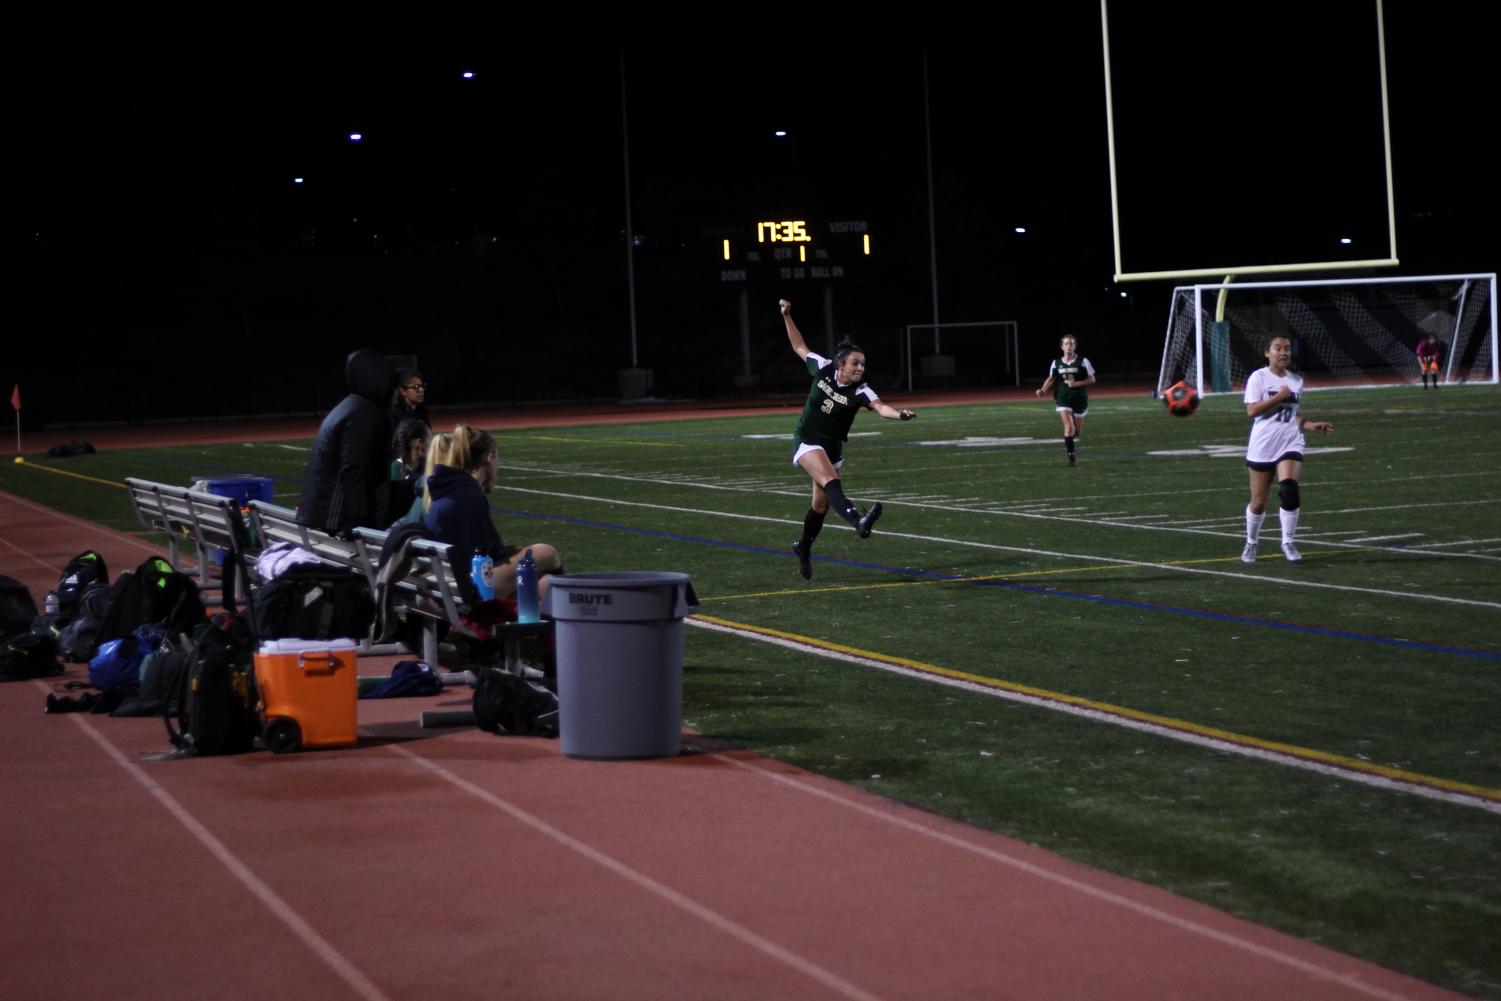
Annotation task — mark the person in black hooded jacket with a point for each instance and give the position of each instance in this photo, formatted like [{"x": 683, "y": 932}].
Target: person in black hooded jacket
[{"x": 350, "y": 462}]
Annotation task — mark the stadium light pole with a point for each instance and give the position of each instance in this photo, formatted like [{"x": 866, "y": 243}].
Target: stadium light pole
[
  {"x": 932, "y": 225},
  {"x": 630, "y": 236}
]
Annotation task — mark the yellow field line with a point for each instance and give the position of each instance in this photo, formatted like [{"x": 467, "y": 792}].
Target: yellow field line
[
  {"x": 64, "y": 472},
  {"x": 1168, "y": 722}
]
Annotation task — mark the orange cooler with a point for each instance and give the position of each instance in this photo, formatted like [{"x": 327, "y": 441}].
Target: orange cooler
[{"x": 310, "y": 691}]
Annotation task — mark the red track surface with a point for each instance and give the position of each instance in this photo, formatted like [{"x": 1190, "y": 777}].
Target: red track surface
[{"x": 456, "y": 864}]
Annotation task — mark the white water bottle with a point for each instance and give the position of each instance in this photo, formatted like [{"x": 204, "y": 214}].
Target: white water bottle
[
  {"x": 49, "y": 604},
  {"x": 526, "y": 589}
]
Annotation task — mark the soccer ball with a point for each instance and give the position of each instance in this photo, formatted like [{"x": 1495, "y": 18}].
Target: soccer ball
[{"x": 1181, "y": 399}]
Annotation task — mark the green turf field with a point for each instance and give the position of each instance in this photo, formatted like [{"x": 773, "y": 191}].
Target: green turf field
[{"x": 1314, "y": 746}]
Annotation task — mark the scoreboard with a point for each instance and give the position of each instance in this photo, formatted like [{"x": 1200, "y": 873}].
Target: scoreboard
[{"x": 792, "y": 250}]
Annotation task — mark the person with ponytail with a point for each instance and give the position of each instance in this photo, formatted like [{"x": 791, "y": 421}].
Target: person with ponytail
[
  {"x": 458, "y": 513},
  {"x": 838, "y": 393}
]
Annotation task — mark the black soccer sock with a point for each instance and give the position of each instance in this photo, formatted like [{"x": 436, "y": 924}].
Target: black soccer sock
[
  {"x": 839, "y": 503},
  {"x": 812, "y": 525},
  {"x": 1068, "y": 443}
]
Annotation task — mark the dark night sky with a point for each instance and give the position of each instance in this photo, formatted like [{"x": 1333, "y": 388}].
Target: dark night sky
[{"x": 158, "y": 159}]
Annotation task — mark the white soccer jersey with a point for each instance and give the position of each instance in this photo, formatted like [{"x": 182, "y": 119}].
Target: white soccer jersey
[{"x": 1279, "y": 431}]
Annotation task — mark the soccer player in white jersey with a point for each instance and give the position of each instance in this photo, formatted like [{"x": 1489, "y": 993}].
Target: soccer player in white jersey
[{"x": 1276, "y": 445}]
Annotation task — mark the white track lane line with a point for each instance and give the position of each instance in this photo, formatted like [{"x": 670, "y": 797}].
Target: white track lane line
[
  {"x": 1314, "y": 970},
  {"x": 710, "y": 917},
  {"x": 284, "y": 911}
]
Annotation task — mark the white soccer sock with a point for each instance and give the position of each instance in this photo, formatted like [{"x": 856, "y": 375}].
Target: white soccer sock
[
  {"x": 1253, "y": 525},
  {"x": 1289, "y": 523}
]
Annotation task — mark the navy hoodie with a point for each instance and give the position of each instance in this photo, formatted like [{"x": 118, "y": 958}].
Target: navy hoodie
[{"x": 460, "y": 516}]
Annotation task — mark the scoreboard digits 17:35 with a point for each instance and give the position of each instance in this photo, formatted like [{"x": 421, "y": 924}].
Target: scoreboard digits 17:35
[{"x": 790, "y": 250}]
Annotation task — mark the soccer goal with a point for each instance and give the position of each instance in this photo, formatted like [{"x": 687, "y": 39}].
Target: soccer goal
[
  {"x": 1351, "y": 332},
  {"x": 981, "y": 353}
]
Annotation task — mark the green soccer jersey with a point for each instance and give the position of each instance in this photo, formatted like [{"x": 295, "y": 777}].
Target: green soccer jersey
[
  {"x": 1076, "y": 399},
  {"x": 830, "y": 409}
]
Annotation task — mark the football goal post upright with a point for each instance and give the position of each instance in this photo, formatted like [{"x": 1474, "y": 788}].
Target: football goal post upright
[{"x": 1351, "y": 332}]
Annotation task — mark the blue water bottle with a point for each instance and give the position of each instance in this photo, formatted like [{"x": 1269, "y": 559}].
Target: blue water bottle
[
  {"x": 526, "y": 589},
  {"x": 482, "y": 571}
]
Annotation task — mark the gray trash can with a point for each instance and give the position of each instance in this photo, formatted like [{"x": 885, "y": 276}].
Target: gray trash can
[{"x": 619, "y": 645}]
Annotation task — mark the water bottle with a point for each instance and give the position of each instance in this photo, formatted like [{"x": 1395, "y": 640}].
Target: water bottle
[
  {"x": 49, "y": 604},
  {"x": 526, "y": 589},
  {"x": 482, "y": 572}
]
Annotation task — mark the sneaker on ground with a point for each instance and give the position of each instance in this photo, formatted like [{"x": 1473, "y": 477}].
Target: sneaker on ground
[
  {"x": 1248, "y": 554},
  {"x": 1290, "y": 552},
  {"x": 804, "y": 560},
  {"x": 868, "y": 520},
  {"x": 1071, "y": 460}
]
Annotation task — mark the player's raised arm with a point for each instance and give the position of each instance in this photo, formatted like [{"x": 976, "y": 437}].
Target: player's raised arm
[{"x": 794, "y": 336}]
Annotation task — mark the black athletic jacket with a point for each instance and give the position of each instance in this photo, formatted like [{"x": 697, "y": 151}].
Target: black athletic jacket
[{"x": 350, "y": 459}]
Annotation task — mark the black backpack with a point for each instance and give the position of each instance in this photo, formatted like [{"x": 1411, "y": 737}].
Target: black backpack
[
  {"x": 504, "y": 703},
  {"x": 16, "y": 604},
  {"x": 153, "y": 593},
  {"x": 315, "y": 602},
  {"x": 160, "y": 671},
  {"x": 29, "y": 655},
  {"x": 79, "y": 639},
  {"x": 216, "y": 693},
  {"x": 86, "y": 568}
]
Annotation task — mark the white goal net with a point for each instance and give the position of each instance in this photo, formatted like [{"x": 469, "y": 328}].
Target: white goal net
[{"x": 1347, "y": 333}]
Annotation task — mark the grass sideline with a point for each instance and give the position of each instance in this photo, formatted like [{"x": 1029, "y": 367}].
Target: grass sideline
[{"x": 1117, "y": 582}]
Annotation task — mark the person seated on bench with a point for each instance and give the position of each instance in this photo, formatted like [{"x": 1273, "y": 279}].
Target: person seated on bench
[
  {"x": 410, "y": 401},
  {"x": 409, "y": 450},
  {"x": 350, "y": 460},
  {"x": 437, "y": 454},
  {"x": 399, "y": 494},
  {"x": 459, "y": 514}
]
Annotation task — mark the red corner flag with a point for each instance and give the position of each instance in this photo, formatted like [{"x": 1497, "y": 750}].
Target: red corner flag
[{"x": 15, "y": 398}]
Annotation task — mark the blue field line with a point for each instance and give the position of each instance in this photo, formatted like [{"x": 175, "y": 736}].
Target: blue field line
[{"x": 1241, "y": 620}]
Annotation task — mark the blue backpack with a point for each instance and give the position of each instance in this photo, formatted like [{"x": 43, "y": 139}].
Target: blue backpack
[{"x": 118, "y": 662}]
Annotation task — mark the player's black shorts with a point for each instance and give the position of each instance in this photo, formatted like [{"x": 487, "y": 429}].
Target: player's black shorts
[{"x": 1271, "y": 467}]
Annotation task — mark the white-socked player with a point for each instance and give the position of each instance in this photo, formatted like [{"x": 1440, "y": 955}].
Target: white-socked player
[{"x": 1276, "y": 447}]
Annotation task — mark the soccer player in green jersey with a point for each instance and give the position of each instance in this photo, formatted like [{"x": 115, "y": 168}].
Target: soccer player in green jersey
[
  {"x": 838, "y": 393},
  {"x": 1067, "y": 377}
]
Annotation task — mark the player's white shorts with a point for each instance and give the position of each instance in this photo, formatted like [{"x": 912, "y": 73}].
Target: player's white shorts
[
  {"x": 1071, "y": 410},
  {"x": 804, "y": 449}
]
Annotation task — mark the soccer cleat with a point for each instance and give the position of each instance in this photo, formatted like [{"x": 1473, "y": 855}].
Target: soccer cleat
[
  {"x": 868, "y": 521},
  {"x": 1071, "y": 459},
  {"x": 1290, "y": 553},
  {"x": 804, "y": 560},
  {"x": 1248, "y": 554}
]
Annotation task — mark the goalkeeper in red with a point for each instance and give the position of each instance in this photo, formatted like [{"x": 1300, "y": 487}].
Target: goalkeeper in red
[
  {"x": 1430, "y": 352},
  {"x": 838, "y": 393},
  {"x": 1276, "y": 446}
]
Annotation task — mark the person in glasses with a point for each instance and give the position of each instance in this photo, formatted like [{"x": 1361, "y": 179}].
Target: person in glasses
[{"x": 411, "y": 399}]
